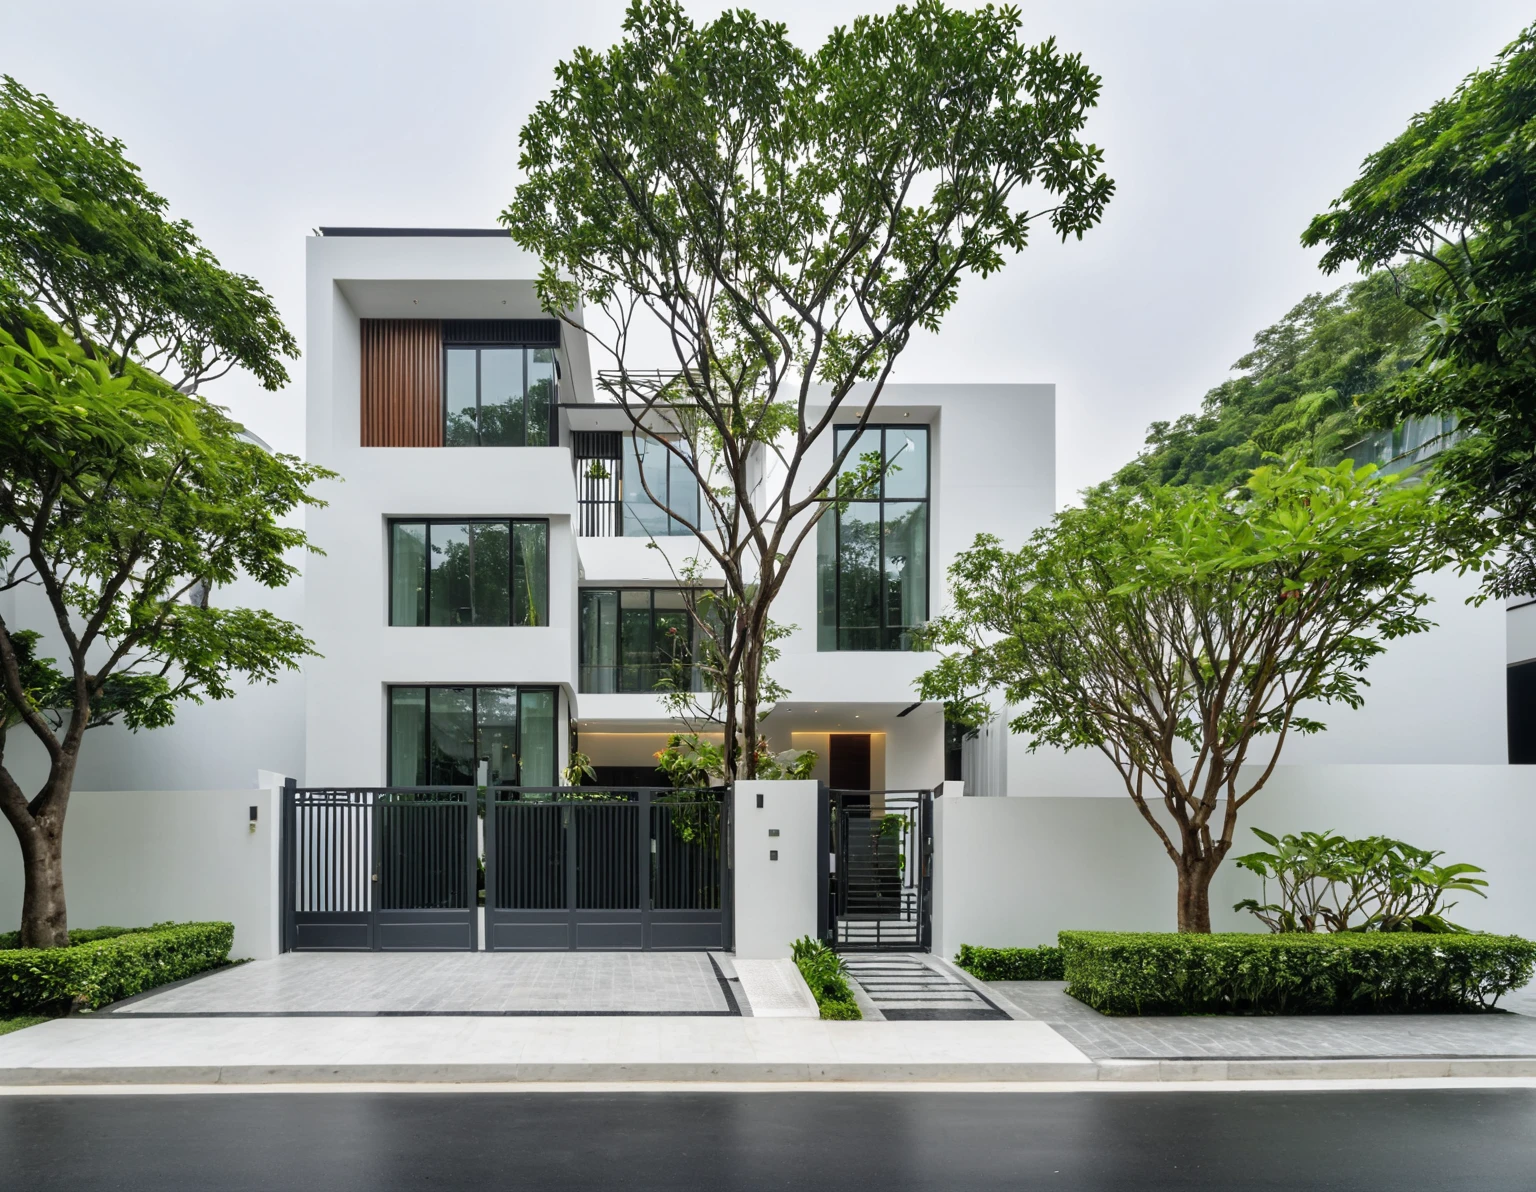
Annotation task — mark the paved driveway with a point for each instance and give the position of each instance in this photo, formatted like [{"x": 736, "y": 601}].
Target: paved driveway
[{"x": 452, "y": 983}]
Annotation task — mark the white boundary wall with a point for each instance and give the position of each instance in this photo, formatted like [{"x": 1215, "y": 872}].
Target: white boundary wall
[
  {"x": 132, "y": 858},
  {"x": 1014, "y": 872},
  {"x": 774, "y": 899}
]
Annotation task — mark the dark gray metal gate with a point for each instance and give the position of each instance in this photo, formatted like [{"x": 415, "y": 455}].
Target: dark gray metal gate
[
  {"x": 380, "y": 869},
  {"x": 575, "y": 868},
  {"x": 881, "y": 882}
]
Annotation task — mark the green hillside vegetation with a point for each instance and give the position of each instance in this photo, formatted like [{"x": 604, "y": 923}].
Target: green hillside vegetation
[{"x": 1301, "y": 387}]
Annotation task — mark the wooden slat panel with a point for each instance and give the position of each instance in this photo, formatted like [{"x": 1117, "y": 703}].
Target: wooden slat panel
[{"x": 402, "y": 389}]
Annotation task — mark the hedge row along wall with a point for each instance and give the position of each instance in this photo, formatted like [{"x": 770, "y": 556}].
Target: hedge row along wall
[{"x": 105, "y": 968}]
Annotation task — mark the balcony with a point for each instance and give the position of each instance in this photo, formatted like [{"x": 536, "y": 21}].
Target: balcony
[{"x": 614, "y": 470}]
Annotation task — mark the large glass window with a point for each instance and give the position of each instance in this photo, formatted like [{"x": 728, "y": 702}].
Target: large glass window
[
  {"x": 480, "y": 572},
  {"x": 652, "y": 470},
  {"x": 472, "y": 736},
  {"x": 633, "y": 638},
  {"x": 498, "y": 396},
  {"x": 872, "y": 556}
]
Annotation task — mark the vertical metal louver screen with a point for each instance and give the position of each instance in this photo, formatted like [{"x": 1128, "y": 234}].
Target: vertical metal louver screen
[
  {"x": 402, "y": 383},
  {"x": 596, "y": 455},
  {"x": 529, "y": 333}
]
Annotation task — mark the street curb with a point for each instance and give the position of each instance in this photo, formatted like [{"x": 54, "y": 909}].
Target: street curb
[
  {"x": 537, "y": 1073},
  {"x": 1106, "y": 1071},
  {"x": 1353, "y": 1068}
]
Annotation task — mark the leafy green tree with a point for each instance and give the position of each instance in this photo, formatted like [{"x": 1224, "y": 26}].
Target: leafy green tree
[
  {"x": 1183, "y": 632},
  {"x": 122, "y": 500},
  {"x": 1452, "y": 196},
  {"x": 124, "y": 497},
  {"x": 86, "y": 242},
  {"x": 1298, "y": 390},
  {"x": 780, "y": 223}
]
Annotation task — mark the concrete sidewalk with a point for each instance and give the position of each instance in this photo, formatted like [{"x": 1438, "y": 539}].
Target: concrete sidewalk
[{"x": 138, "y": 1050}]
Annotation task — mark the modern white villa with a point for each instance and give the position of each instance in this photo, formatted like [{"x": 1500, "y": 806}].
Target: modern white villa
[
  {"x": 490, "y": 583},
  {"x": 491, "y": 598}
]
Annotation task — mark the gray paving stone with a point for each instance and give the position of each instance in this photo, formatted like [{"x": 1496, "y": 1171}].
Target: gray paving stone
[
  {"x": 453, "y": 982},
  {"x": 1333, "y": 1036}
]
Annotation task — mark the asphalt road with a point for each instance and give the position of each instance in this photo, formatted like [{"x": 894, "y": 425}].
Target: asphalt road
[{"x": 819, "y": 1141}]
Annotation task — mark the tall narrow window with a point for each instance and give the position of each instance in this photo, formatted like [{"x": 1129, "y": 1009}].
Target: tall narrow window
[
  {"x": 499, "y": 396},
  {"x": 472, "y": 736},
  {"x": 657, "y": 480},
  {"x": 872, "y": 556},
  {"x": 481, "y": 572}
]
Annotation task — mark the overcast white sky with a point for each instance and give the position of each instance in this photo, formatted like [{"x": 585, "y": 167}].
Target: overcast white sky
[{"x": 1226, "y": 125}]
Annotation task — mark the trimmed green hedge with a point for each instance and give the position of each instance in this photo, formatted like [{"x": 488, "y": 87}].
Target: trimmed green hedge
[
  {"x": 1292, "y": 973},
  {"x": 823, "y": 971},
  {"x": 1012, "y": 964},
  {"x": 80, "y": 935},
  {"x": 109, "y": 968}
]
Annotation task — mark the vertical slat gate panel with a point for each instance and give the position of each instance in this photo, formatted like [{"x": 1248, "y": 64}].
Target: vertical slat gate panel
[{"x": 401, "y": 383}]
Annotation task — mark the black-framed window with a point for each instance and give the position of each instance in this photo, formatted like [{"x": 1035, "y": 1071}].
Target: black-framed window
[
  {"x": 499, "y": 395},
  {"x": 473, "y": 736},
  {"x": 872, "y": 556},
  {"x": 630, "y": 639},
  {"x": 468, "y": 571},
  {"x": 652, "y": 469}
]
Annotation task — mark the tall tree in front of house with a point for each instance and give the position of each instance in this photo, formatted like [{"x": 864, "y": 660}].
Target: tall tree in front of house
[
  {"x": 1184, "y": 633},
  {"x": 776, "y": 224},
  {"x": 124, "y": 496},
  {"x": 1447, "y": 210}
]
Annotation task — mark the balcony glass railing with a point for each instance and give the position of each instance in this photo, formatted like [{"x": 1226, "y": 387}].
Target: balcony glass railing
[{"x": 642, "y": 679}]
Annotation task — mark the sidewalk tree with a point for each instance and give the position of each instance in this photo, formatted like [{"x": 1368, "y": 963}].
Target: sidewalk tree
[
  {"x": 122, "y": 501},
  {"x": 777, "y": 224},
  {"x": 1187, "y": 633},
  {"x": 1448, "y": 209},
  {"x": 124, "y": 496},
  {"x": 85, "y": 242}
]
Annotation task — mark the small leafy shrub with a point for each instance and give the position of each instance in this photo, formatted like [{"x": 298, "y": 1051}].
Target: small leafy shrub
[
  {"x": 1012, "y": 964},
  {"x": 1327, "y": 882},
  {"x": 823, "y": 971},
  {"x": 99, "y": 971},
  {"x": 1292, "y": 973}
]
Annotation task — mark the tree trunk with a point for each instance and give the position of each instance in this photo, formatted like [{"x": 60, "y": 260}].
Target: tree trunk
[
  {"x": 1195, "y": 894},
  {"x": 44, "y": 921}
]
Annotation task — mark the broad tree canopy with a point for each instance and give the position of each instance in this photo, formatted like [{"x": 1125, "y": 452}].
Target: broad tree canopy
[
  {"x": 769, "y": 220},
  {"x": 84, "y": 241},
  {"x": 1184, "y": 632},
  {"x": 1447, "y": 208}
]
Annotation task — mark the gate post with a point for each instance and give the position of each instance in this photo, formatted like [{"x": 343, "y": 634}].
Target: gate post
[
  {"x": 925, "y": 878},
  {"x": 489, "y": 942},
  {"x": 645, "y": 839},
  {"x": 472, "y": 813},
  {"x": 823, "y": 863},
  {"x": 287, "y": 883}
]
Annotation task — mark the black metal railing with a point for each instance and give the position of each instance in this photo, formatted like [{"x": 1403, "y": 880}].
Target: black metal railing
[{"x": 597, "y": 456}]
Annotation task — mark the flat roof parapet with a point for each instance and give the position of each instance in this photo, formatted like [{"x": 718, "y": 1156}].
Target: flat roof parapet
[{"x": 327, "y": 231}]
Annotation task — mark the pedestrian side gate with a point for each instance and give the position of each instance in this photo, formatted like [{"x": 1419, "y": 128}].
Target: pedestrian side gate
[
  {"x": 513, "y": 869},
  {"x": 880, "y": 880}
]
